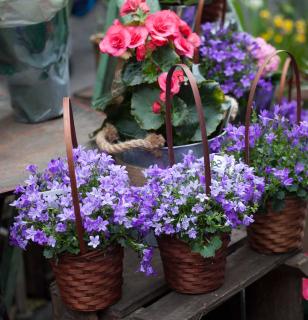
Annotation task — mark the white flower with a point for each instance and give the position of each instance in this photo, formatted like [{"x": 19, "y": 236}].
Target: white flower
[{"x": 94, "y": 241}]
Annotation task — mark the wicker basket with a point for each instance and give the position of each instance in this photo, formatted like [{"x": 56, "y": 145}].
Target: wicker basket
[
  {"x": 279, "y": 232},
  {"x": 91, "y": 281},
  {"x": 188, "y": 272}
]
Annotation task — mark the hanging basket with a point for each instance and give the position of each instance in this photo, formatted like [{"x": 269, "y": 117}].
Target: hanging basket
[
  {"x": 277, "y": 232},
  {"x": 91, "y": 280},
  {"x": 188, "y": 272}
]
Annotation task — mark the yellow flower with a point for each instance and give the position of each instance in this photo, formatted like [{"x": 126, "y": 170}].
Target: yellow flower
[
  {"x": 278, "y": 21},
  {"x": 301, "y": 38},
  {"x": 300, "y": 26},
  {"x": 278, "y": 38},
  {"x": 265, "y": 14},
  {"x": 288, "y": 26}
]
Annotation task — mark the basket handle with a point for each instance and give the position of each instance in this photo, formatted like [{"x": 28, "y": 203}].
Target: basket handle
[
  {"x": 200, "y": 112},
  {"x": 283, "y": 81},
  {"x": 70, "y": 143},
  {"x": 253, "y": 91},
  {"x": 197, "y": 27}
]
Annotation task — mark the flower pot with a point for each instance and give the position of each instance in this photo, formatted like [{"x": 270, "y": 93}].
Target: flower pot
[
  {"x": 188, "y": 272},
  {"x": 91, "y": 281},
  {"x": 279, "y": 232}
]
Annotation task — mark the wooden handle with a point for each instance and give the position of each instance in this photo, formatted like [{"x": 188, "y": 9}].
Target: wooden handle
[
  {"x": 70, "y": 143},
  {"x": 283, "y": 81},
  {"x": 253, "y": 91},
  {"x": 199, "y": 108}
]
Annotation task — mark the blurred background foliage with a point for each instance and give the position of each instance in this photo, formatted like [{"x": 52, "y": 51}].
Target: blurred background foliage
[{"x": 284, "y": 24}]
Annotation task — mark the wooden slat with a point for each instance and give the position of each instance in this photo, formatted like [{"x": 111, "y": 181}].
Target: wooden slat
[
  {"x": 22, "y": 144},
  {"x": 243, "y": 268},
  {"x": 300, "y": 263}
]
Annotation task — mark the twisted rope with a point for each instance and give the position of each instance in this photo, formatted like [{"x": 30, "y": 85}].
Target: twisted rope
[{"x": 107, "y": 137}]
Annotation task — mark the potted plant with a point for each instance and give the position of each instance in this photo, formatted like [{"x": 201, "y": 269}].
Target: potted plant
[
  {"x": 193, "y": 205},
  {"x": 148, "y": 45},
  {"x": 78, "y": 209},
  {"x": 232, "y": 58},
  {"x": 275, "y": 145}
]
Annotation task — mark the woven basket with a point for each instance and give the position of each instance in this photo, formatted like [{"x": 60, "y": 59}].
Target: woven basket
[
  {"x": 188, "y": 272},
  {"x": 279, "y": 232},
  {"x": 91, "y": 281}
]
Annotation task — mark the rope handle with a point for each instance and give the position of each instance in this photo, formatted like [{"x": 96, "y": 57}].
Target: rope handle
[
  {"x": 70, "y": 143},
  {"x": 198, "y": 20},
  {"x": 283, "y": 81},
  {"x": 253, "y": 91},
  {"x": 200, "y": 112}
]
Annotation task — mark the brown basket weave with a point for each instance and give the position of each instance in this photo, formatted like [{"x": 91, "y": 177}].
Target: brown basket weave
[
  {"x": 279, "y": 232},
  {"x": 188, "y": 272},
  {"x": 91, "y": 281}
]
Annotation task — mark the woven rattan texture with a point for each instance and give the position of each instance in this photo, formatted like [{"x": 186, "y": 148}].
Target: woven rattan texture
[
  {"x": 92, "y": 281},
  {"x": 279, "y": 232},
  {"x": 188, "y": 272}
]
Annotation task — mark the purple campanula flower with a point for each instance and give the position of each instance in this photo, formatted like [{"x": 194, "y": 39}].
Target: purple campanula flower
[{"x": 94, "y": 241}]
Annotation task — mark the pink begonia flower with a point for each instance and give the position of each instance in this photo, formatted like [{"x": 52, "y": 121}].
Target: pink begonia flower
[
  {"x": 194, "y": 39},
  {"x": 156, "y": 107},
  {"x": 140, "y": 53},
  {"x": 138, "y": 36},
  {"x": 162, "y": 24},
  {"x": 261, "y": 51},
  {"x": 116, "y": 40},
  {"x": 130, "y": 6},
  {"x": 158, "y": 41},
  {"x": 177, "y": 78},
  {"x": 184, "y": 47},
  {"x": 184, "y": 28}
]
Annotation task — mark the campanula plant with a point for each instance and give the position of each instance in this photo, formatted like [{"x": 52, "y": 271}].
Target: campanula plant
[
  {"x": 45, "y": 207},
  {"x": 278, "y": 151}
]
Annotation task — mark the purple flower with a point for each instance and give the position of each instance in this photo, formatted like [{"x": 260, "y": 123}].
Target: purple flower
[
  {"x": 270, "y": 137},
  {"x": 94, "y": 241}
]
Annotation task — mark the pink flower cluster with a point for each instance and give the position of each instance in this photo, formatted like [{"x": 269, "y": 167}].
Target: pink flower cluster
[
  {"x": 145, "y": 34},
  {"x": 177, "y": 79},
  {"x": 260, "y": 51}
]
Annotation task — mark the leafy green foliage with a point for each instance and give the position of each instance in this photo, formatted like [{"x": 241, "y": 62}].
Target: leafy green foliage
[
  {"x": 165, "y": 57},
  {"x": 208, "y": 249},
  {"x": 141, "y": 108}
]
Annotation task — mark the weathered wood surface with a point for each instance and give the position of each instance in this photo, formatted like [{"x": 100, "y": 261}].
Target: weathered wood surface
[
  {"x": 22, "y": 144},
  {"x": 300, "y": 263},
  {"x": 244, "y": 267},
  {"x": 277, "y": 296},
  {"x": 138, "y": 290}
]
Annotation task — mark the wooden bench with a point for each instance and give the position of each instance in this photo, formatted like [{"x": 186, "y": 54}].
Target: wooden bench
[{"x": 254, "y": 276}]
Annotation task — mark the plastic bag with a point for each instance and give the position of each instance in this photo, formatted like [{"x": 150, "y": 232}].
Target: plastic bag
[
  {"x": 18, "y": 13},
  {"x": 35, "y": 60}
]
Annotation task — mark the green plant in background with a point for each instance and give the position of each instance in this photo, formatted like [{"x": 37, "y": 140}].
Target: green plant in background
[{"x": 282, "y": 23}]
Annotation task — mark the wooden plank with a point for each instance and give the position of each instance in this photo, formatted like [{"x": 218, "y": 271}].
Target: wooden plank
[
  {"x": 277, "y": 296},
  {"x": 244, "y": 268},
  {"x": 22, "y": 144},
  {"x": 300, "y": 263}
]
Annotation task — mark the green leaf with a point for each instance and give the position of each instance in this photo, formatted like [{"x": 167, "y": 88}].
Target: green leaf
[
  {"x": 132, "y": 74},
  {"x": 150, "y": 72},
  {"x": 278, "y": 205},
  {"x": 128, "y": 128},
  {"x": 179, "y": 112},
  {"x": 302, "y": 193},
  {"x": 214, "y": 106},
  {"x": 48, "y": 253},
  {"x": 209, "y": 250},
  {"x": 280, "y": 195},
  {"x": 165, "y": 57},
  {"x": 142, "y": 101}
]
